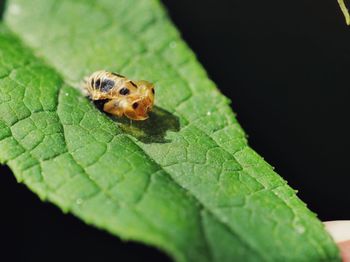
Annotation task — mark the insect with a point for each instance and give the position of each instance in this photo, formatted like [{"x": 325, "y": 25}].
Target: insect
[{"x": 120, "y": 95}]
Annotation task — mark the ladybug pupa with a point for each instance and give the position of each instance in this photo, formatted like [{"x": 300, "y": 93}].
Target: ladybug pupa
[{"x": 120, "y": 95}]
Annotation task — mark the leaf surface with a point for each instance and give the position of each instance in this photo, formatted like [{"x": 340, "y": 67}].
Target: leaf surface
[{"x": 184, "y": 181}]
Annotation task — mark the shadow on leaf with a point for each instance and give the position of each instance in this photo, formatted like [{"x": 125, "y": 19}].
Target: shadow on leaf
[{"x": 152, "y": 130}]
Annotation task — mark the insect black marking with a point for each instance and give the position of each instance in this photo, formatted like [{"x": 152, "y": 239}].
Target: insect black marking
[
  {"x": 152, "y": 90},
  {"x": 107, "y": 85},
  {"x": 100, "y": 103},
  {"x": 92, "y": 83},
  {"x": 131, "y": 82},
  {"x": 124, "y": 91},
  {"x": 135, "y": 105},
  {"x": 118, "y": 75},
  {"x": 97, "y": 83}
]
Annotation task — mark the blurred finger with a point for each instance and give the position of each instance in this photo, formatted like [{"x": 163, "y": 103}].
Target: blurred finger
[{"x": 340, "y": 231}]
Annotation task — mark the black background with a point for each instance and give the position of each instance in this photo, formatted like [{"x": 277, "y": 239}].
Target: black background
[{"x": 285, "y": 67}]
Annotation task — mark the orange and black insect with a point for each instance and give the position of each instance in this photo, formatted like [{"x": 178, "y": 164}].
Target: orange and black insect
[{"x": 120, "y": 95}]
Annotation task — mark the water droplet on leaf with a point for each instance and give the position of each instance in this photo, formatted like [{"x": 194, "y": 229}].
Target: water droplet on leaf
[
  {"x": 300, "y": 229},
  {"x": 173, "y": 44}
]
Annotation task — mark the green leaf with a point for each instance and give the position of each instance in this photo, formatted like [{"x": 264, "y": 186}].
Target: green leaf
[
  {"x": 184, "y": 181},
  {"x": 345, "y": 11}
]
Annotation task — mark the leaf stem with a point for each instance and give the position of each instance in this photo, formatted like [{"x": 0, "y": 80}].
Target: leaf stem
[{"x": 345, "y": 11}]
